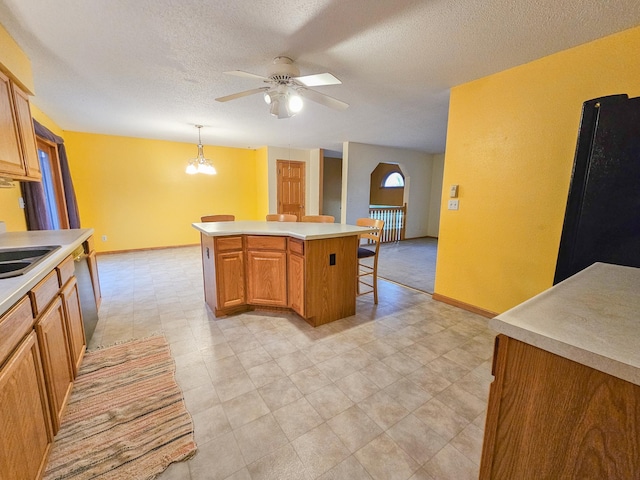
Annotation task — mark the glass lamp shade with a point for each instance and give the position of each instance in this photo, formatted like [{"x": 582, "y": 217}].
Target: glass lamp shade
[
  {"x": 295, "y": 103},
  {"x": 192, "y": 168}
]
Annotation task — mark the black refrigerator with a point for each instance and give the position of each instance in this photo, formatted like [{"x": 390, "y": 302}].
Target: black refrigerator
[{"x": 602, "y": 219}]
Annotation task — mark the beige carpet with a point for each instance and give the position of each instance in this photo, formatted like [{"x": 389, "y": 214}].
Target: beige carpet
[
  {"x": 410, "y": 262},
  {"x": 126, "y": 417}
]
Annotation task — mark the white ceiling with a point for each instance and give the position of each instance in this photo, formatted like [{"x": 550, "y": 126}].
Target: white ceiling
[{"x": 152, "y": 68}]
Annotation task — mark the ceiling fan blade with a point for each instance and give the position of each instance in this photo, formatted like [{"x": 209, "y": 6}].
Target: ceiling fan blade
[
  {"x": 323, "y": 99},
  {"x": 242, "y": 94},
  {"x": 318, "y": 80},
  {"x": 240, "y": 73}
]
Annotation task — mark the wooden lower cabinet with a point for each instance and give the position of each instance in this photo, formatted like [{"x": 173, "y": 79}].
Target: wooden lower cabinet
[
  {"x": 267, "y": 278},
  {"x": 296, "y": 284},
  {"x": 75, "y": 326},
  {"x": 25, "y": 423},
  {"x": 53, "y": 340},
  {"x": 552, "y": 418},
  {"x": 230, "y": 279}
]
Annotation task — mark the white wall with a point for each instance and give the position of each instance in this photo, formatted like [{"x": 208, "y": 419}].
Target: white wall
[
  {"x": 433, "y": 227},
  {"x": 358, "y": 162}
]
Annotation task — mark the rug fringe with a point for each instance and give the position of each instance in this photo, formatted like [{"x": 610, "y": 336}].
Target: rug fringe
[{"x": 120, "y": 342}]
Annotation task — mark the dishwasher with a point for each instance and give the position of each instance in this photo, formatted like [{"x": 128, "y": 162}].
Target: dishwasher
[{"x": 85, "y": 292}]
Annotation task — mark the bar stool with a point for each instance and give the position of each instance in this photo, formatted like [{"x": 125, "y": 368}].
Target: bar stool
[
  {"x": 282, "y": 217},
  {"x": 365, "y": 270},
  {"x": 318, "y": 219},
  {"x": 217, "y": 218}
]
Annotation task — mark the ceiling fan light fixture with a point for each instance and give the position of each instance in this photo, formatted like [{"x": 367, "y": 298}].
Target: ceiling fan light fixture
[
  {"x": 267, "y": 98},
  {"x": 200, "y": 164}
]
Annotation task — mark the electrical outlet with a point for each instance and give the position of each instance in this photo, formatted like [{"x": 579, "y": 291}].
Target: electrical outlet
[
  {"x": 453, "y": 205},
  {"x": 104, "y": 238}
]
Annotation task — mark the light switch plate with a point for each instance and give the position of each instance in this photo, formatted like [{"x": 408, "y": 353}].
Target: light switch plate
[
  {"x": 453, "y": 205},
  {"x": 453, "y": 191}
]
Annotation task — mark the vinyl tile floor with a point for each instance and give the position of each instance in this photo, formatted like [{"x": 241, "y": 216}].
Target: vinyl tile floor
[{"x": 397, "y": 391}]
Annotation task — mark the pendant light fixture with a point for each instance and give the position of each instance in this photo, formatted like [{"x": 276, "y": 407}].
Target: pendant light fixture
[{"x": 200, "y": 164}]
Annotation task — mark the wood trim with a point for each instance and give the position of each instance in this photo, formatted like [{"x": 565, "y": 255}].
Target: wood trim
[
  {"x": 51, "y": 149},
  {"x": 463, "y": 305},
  {"x": 129, "y": 250},
  {"x": 320, "y": 180}
]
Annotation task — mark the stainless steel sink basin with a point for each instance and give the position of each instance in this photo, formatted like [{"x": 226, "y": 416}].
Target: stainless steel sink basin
[{"x": 17, "y": 261}]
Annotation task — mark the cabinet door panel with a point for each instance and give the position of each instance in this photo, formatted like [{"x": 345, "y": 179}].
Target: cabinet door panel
[
  {"x": 230, "y": 279},
  {"x": 10, "y": 154},
  {"x": 27, "y": 134},
  {"x": 24, "y": 414},
  {"x": 75, "y": 326},
  {"x": 267, "y": 278},
  {"x": 92, "y": 262},
  {"x": 56, "y": 359},
  {"x": 296, "y": 283}
]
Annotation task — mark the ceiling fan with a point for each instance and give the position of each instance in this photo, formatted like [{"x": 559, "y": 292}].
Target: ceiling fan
[{"x": 286, "y": 87}]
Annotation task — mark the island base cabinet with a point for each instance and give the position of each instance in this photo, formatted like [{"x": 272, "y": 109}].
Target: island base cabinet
[
  {"x": 296, "y": 284},
  {"x": 56, "y": 359},
  {"x": 267, "y": 278},
  {"x": 25, "y": 427},
  {"x": 552, "y": 418},
  {"x": 230, "y": 274}
]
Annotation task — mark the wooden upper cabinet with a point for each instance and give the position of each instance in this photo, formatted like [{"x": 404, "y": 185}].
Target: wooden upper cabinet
[
  {"x": 18, "y": 151},
  {"x": 27, "y": 133},
  {"x": 11, "y": 161}
]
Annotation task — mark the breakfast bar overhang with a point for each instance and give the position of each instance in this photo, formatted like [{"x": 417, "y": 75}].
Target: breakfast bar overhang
[{"x": 310, "y": 268}]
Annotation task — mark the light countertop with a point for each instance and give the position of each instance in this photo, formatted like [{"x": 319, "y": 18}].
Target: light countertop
[
  {"x": 300, "y": 230},
  {"x": 592, "y": 318},
  {"x": 14, "y": 288}
]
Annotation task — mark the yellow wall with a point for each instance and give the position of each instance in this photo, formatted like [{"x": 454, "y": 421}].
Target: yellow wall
[
  {"x": 14, "y": 62},
  {"x": 135, "y": 191},
  {"x": 262, "y": 182},
  {"x": 510, "y": 144}
]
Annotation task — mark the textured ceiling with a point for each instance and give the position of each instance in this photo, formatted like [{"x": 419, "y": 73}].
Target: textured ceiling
[{"x": 152, "y": 68}]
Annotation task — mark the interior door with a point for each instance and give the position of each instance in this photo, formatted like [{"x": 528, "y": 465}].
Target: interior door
[{"x": 291, "y": 187}]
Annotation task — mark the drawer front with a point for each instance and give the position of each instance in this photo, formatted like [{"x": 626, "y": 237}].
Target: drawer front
[
  {"x": 296, "y": 246},
  {"x": 224, "y": 244},
  {"x": 65, "y": 270},
  {"x": 14, "y": 325},
  {"x": 43, "y": 293},
  {"x": 255, "y": 242}
]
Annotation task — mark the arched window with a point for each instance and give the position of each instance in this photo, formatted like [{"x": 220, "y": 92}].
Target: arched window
[{"x": 393, "y": 180}]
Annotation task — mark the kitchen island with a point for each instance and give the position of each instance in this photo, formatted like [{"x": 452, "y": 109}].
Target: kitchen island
[
  {"x": 310, "y": 268},
  {"x": 565, "y": 401}
]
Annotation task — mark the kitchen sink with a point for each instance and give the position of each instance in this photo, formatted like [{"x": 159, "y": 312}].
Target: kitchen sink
[{"x": 17, "y": 261}]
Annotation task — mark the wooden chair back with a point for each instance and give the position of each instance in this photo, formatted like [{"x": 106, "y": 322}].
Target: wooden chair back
[
  {"x": 318, "y": 219},
  {"x": 217, "y": 218},
  {"x": 282, "y": 217},
  {"x": 375, "y": 229}
]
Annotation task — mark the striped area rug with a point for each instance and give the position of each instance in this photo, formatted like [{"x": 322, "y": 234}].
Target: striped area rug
[{"x": 126, "y": 417}]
